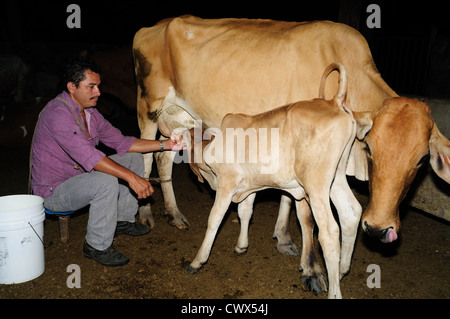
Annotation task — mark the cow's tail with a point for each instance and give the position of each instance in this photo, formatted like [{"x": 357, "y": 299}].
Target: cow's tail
[{"x": 341, "y": 94}]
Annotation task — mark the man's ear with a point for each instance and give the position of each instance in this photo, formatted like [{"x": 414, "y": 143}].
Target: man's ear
[
  {"x": 71, "y": 87},
  {"x": 364, "y": 122}
]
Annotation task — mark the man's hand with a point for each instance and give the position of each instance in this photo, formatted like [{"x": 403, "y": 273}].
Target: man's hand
[
  {"x": 175, "y": 143},
  {"x": 141, "y": 186}
]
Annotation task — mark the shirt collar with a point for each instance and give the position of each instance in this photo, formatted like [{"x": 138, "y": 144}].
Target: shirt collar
[{"x": 66, "y": 96}]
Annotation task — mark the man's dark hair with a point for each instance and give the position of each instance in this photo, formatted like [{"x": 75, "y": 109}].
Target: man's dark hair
[{"x": 76, "y": 67}]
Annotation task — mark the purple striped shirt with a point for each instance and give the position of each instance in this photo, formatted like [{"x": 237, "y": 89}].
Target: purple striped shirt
[{"x": 61, "y": 149}]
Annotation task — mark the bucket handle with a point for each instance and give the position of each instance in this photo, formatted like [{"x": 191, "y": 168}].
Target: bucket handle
[{"x": 36, "y": 233}]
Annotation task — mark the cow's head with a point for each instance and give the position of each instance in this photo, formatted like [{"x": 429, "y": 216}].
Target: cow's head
[{"x": 402, "y": 137}]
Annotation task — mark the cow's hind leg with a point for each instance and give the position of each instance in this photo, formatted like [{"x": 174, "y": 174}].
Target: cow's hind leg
[
  {"x": 349, "y": 211},
  {"x": 348, "y": 208},
  {"x": 312, "y": 275},
  {"x": 164, "y": 162},
  {"x": 285, "y": 245},
  {"x": 245, "y": 211}
]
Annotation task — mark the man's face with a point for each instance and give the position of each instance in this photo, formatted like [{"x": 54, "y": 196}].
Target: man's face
[{"x": 87, "y": 93}]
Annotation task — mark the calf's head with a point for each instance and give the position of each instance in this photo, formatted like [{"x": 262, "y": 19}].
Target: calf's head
[{"x": 402, "y": 137}]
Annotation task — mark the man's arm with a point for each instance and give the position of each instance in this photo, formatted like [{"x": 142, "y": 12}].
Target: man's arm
[
  {"x": 141, "y": 186},
  {"x": 145, "y": 146}
]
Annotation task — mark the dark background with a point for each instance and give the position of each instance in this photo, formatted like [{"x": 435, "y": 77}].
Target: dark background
[
  {"x": 116, "y": 21},
  {"x": 411, "y": 49}
]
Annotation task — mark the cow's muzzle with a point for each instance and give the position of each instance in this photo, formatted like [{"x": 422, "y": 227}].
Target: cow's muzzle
[{"x": 387, "y": 235}]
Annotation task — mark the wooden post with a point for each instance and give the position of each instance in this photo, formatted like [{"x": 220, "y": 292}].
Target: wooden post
[{"x": 64, "y": 228}]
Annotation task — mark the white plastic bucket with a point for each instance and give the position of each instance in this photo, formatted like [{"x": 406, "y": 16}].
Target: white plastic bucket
[{"x": 21, "y": 234}]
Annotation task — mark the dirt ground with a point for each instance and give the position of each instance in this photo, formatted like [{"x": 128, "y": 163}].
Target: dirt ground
[{"x": 416, "y": 266}]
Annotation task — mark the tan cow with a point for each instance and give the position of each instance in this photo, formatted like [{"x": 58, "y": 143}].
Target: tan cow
[
  {"x": 209, "y": 68},
  {"x": 402, "y": 138},
  {"x": 307, "y": 146}
]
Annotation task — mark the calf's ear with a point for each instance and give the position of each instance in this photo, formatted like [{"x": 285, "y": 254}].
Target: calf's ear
[
  {"x": 440, "y": 154},
  {"x": 196, "y": 171},
  {"x": 189, "y": 137},
  {"x": 364, "y": 122}
]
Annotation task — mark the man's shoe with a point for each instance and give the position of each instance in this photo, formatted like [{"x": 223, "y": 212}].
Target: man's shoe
[
  {"x": 108, "y": 257},
  {"x": 131, "y": 229}
]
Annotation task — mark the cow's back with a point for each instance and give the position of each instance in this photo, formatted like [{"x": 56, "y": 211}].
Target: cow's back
[{"x": 240, "y": 65}]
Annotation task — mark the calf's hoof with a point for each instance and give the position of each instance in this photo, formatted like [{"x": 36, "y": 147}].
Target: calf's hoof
[{"x": 192, "y": 270}]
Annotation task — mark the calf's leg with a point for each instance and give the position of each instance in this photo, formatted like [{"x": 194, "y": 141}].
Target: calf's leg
[
  {"x": 285, "y": 245},
  {"x": 329, "y": 239},
  {"x": 312, "y": 276},
  {"x": 221, "y": 204},
  {"x": 245, "y": 211}
]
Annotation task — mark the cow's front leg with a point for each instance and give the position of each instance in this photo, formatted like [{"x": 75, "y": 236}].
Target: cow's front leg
[
  {"x": 148, "y": 131},
  {"x": 312, "y": 276},
  {"x": 245, "y": 211},
  {"x": 221, "y": 204},
  {"x": 285, "y": 244},
  {"x": 164, "y": 162},
  {"x": 145, "y": 215}
]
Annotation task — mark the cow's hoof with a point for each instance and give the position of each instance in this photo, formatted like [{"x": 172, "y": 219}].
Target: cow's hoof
[
  {"x": 192, "y": 270},
  {"x": 178, "y": 221},
  {"x": 290, "y": 249},
  {"x": 179, "y": 224},
  {"x": 316, "y": 284},
  {"x": 239, "y": 251}
]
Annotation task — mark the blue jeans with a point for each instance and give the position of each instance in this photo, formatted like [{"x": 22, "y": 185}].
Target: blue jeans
[{"x": 109, "y": 200}]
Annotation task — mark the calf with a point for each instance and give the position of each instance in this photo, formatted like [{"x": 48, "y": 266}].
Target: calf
[{"x": 309, "y": 162}]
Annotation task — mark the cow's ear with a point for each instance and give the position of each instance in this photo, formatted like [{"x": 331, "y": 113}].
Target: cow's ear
[
  {"x": 364, "y": 122},
  {"x": 440, "y": 154}
]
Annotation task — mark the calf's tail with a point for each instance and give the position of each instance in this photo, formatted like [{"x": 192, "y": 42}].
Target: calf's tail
[{"x": 342, "y": 92}]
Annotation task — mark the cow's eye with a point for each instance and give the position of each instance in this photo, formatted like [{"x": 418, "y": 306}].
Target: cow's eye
[
  {"x": 424, "y": 159},
  {"x": 367, "y": 149}
]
